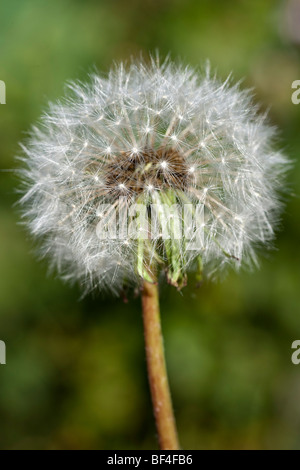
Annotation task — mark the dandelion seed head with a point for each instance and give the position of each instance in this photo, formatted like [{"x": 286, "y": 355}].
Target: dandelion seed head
[{"x": 155, "y": 134}]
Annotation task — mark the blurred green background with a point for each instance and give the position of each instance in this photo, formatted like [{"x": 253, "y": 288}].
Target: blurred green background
[{"x": 75, "y": 376}]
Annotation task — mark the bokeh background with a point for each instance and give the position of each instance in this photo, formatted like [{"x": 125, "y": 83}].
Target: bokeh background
[{"x": 75, "y": 376}]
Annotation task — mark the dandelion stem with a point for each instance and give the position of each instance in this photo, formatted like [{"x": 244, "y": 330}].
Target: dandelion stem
[{"x": 157, "y": 373}]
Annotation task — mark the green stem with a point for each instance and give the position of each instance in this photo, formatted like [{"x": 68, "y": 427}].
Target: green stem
[{"x": 157, "y": 373}]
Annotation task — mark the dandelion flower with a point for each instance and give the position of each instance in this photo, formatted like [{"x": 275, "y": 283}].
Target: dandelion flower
[
  {"x": 159, "y": 135},
  {"x": 152, "y": 169}
]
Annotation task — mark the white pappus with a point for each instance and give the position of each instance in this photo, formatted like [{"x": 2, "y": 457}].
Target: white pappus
[{"x": 158, "y": 134}]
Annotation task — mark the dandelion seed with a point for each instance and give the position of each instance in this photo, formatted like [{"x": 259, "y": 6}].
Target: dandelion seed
[{"x": 162, "y": 135}]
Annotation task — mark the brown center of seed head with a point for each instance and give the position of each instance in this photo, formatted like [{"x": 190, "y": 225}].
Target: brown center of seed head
[{"x": 148, "y": 170}]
